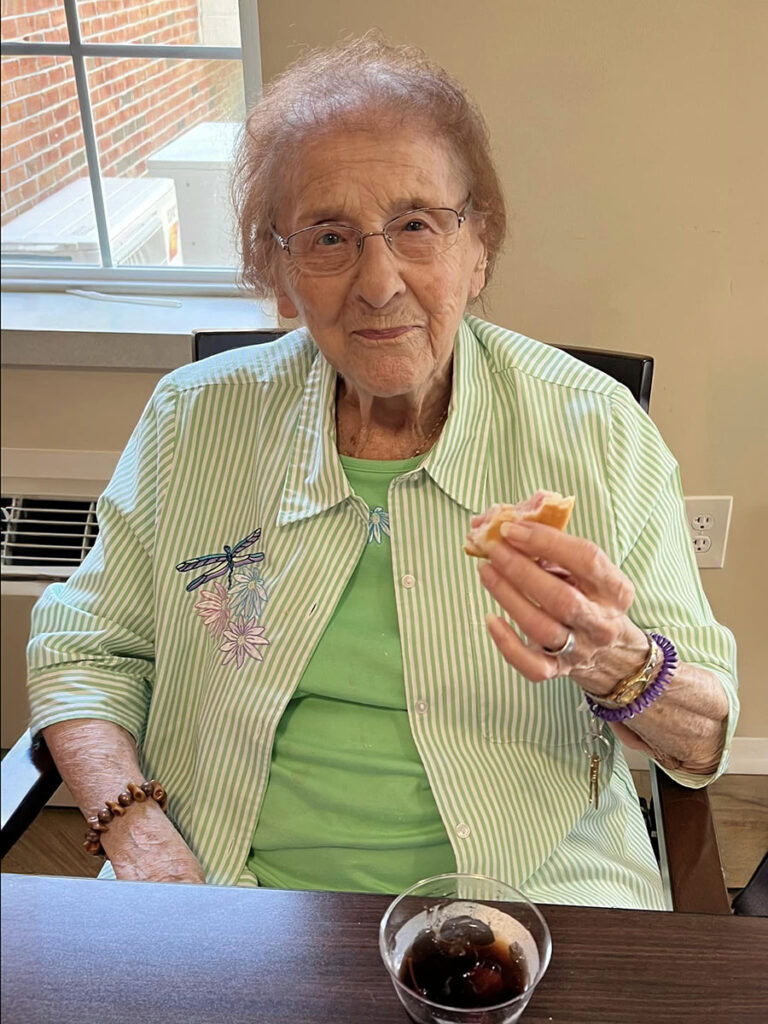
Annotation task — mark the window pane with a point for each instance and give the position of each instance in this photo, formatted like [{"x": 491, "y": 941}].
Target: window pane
[
  {"x": 165, "y": 131},
  {"x": 47, "y": 211},
  {"x": 188, "y": 22},
  {"x": 34, "y": 21}
]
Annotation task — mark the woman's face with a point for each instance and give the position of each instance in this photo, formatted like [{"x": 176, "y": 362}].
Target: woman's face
[{"x": 364, "y": 179}]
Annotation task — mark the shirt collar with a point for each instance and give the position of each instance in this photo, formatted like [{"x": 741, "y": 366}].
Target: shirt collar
[
  {"x": 458, "y": 463},
  {"x": 315, "y": 480}
]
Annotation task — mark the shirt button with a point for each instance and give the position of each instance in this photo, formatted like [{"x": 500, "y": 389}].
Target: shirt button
[
  {"x": 408, "y": 581},
  {"x": 463, "y": 831},
  {"x": 421, "y": 707}
]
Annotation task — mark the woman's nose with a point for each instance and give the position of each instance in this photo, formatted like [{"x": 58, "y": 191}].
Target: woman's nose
[{"x": 378, "y": 278}]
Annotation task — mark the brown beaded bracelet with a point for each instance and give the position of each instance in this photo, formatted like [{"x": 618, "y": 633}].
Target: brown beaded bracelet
[{"x": 99, "y": 823}]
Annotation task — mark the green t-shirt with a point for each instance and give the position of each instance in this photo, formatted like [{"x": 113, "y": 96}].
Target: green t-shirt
[{"x": 348, "y": 805}]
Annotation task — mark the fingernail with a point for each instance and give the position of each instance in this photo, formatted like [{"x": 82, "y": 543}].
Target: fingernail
[
  {"x": 491, "y": 619},
  {"x": 515, "y": 531}
]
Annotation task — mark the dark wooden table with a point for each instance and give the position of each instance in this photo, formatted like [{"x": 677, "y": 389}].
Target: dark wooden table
[{"x": 76, "y": 950}]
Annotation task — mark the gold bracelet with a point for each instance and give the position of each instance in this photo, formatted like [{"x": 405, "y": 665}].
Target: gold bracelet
[
  {"x": 99, "y": 823},
  {"x": 628, "y": 690}
]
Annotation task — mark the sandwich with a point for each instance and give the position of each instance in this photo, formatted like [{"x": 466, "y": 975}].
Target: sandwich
[{"x": 546, "y": 507}]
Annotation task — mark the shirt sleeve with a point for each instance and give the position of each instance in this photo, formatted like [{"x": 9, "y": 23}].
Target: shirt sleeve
[
  {"x": 91, "y": 651},
  {"x": 657, "y": 555}
]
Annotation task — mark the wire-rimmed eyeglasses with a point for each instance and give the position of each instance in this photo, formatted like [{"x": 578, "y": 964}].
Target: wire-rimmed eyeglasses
[{"x": 331, "y": 248}]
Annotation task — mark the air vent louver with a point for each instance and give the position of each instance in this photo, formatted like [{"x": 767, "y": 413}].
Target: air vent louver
[{"x": 40, "y": 533}]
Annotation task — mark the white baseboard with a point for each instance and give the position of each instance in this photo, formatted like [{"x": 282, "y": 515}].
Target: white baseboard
[{"x": 749, "y": 756}]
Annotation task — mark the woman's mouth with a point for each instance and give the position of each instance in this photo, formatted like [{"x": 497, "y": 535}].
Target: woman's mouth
[{"x": 390, "y": 332}]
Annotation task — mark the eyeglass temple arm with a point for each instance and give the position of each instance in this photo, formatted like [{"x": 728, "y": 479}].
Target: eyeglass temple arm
[{"x": 282, "y": 242}]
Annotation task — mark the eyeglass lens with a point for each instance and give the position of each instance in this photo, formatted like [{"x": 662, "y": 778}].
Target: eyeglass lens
[{"x": 331, "y": 248}]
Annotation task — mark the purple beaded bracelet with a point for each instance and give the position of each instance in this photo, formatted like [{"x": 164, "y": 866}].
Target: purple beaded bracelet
[{"x": 654, "y": 691}]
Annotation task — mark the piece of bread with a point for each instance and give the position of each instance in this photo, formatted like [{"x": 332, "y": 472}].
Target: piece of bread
[{"x": 546, "y": 507}]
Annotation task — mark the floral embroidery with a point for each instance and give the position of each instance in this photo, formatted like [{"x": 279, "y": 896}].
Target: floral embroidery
[
  {"x": 243, "y": 639},
  {"x": 378, "y": 524},
  {"x": 248, "y": 595},
  {"x": 230, "y": 613},
  {"x": 213, "y": 608}
]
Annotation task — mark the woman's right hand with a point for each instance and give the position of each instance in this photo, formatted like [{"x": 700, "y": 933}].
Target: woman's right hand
[{"x": 143, "y": 846}]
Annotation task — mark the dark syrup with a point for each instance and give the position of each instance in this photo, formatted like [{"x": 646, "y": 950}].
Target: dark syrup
[{"x": 463, "y": 965}]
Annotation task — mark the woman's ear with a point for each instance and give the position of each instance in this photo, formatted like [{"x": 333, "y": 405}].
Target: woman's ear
[
  {"x": 286, "y": 307},
  {"x": 479, "y": 249},
  {"x": 477, "y": 282}
]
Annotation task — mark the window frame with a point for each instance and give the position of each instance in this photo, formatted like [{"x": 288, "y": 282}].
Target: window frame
[{"x": 26, "y": 276}]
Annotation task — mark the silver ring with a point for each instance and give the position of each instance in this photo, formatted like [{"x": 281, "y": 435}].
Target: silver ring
[{"x": 570, "y": 643}]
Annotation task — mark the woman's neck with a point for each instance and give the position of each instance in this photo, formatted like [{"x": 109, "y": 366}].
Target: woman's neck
[{"x": 371, "y": 427}]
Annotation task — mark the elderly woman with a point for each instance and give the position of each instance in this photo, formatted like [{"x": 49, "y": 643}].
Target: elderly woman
[{"x": 278, "y": 622}]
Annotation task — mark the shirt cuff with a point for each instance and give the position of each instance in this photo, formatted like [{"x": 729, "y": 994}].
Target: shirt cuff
[
  {"x": 692, "y": 780},
  {"x": 62, "y": 696}
]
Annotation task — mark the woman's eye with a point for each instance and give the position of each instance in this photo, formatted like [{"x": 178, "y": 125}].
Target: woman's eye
[
  {"x": 328, "y": 238},
  {"x": 415, "y": 225}
]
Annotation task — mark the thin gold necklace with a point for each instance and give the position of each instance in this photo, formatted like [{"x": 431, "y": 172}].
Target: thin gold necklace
[
  {"x": 425, "y": 442},
  {"x": 441, "y": 419}
]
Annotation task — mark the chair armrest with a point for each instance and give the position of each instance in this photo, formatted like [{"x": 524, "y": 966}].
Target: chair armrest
[
  {"x": 690, "y": 858},
  {"x": 29, "y": 780}
]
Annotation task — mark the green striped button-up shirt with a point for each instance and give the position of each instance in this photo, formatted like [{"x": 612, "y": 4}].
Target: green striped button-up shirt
[{"x": 199, "y": 667}]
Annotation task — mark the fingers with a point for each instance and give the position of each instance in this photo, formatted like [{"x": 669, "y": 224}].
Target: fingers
[
  {"x": 479, "y": 519},
  {"x": 537, "y": 624},
  {"x": 561, "y": 606},
  {"x": 534, "y": 665},
  {"x": 559, "y": 601},
  {"x": 545, "y": 608},
  {"x": 550, "y": 584},
  {"x": 593, "y": 572}
]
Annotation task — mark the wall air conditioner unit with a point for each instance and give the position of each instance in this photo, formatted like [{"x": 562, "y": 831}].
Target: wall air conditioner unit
[
  {"x": 48, "y": 526},
  {"x": 200, "y": 164},
  {"x": 142, "y": 214}
]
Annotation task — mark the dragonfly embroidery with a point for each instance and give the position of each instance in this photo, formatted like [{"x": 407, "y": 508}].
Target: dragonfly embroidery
[{"x": 222, "y": 562}]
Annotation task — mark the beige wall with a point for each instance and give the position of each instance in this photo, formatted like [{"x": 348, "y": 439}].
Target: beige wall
[
  {"x": 631, "y": 139},
  {"x": 77, "y": 410}
]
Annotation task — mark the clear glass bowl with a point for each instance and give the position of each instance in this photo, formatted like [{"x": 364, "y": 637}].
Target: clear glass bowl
[{"x": 433, "y": 901}]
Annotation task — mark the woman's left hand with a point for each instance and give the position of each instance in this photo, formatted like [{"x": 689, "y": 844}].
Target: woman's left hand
[{"x": 590, "y": 599}]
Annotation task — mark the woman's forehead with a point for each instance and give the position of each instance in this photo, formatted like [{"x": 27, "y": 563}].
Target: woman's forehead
[{"x": 354, "y": 174}]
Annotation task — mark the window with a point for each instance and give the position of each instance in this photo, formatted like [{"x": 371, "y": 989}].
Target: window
[{"x": 119, "y": 121}]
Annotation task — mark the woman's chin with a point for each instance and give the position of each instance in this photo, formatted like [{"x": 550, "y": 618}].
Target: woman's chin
[
  {"x": 389, "y": 387},
  {"x": 389, "y": 378}
]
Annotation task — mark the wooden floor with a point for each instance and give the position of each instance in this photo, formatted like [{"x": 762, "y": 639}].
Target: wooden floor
[{"x": 53, "y": 844}]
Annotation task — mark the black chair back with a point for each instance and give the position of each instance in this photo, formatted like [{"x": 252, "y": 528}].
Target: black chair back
[
  {"x": 635, "y": 372},
  {"x": 211, "y": 342}
]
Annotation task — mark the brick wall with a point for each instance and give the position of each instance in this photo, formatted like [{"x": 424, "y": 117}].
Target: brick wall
[{"x": 138, "y": 105}]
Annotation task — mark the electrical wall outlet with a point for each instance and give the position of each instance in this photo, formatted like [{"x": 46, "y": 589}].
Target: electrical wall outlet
[{"x": 709, "y": 519}]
